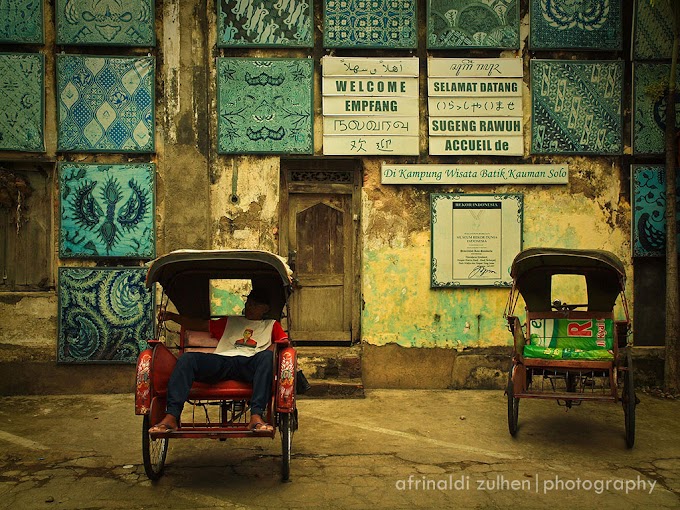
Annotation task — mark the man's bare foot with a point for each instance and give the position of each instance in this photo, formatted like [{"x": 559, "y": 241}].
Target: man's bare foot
[
  {"x": 257, "y": 424},
  {"x": 167, "y": 424}
]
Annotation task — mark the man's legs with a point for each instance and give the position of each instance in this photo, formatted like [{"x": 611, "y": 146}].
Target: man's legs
[
  {"x": 260, "y": 370},
  {"x": 190, "y": 367}
]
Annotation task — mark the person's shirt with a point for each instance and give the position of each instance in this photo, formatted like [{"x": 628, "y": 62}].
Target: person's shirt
[{"x": 239, "y": 336}]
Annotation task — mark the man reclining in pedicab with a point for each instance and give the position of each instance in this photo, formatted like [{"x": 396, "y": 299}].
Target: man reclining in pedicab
[{"x": 244, "y": 353}]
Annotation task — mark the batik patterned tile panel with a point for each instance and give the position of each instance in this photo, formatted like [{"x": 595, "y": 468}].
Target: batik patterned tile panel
[
  {"x": 21, "y": 21},
  {"x": 107, "y": 210},
  {"x": 106, "y": 104},
  {"x": 576, "y": 107},
  {"x": 652, "y": 30},
  {"x": 593, "y": 25},
  {"x": 473, "y": 24},
  {"x": 649, "y": 212},
  {"x": 649, "y": 107},
  {"x": 105, "y": 315},
  {"x": 22, "y": 102},
  {"x": 265, "y": 106},
  {"x": 370, "y": 24},
  {"x": 281, "y": 23},
  {"x": 108, "y": 22}
]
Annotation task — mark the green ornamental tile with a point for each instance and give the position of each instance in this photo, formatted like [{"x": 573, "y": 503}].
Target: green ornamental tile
[
  {"x": 106, "y": 104},
  {"x": 265, "y": 106},
  {"x": 649, "y": 107},
  {"x": 652, "y": 30},
  {"x": 105, "y": 22},
  {"x": 592, "y": 25},
  {"x": 22, "y": 102},
  {"x": 473, "y": 24},
  {"x": 105, "y": 315},
  {"x": 21, "y": 21},
  {"x": 370, "y": 24},
  {"x": 107, "y": 210},
  {"x": 282, "y": 23},
  {"x": 649, "y": 210},
  {"x": 576, "y": 107}
]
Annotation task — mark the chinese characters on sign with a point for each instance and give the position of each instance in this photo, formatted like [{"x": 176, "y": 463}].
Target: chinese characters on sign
[
  {"x": 475, "y": 106},
  {"x": 370, "y": 106},
  {"x": 474, "y": 238}
]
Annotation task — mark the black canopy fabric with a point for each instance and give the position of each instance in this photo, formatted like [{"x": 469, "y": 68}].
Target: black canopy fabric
[
  {"x": 185, "y": 277},
  {"x": 532, "y": 272}
]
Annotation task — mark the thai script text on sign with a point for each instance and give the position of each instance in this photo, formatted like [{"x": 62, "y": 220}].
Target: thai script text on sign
[
  {"x": 462, "y": 93},
  {"x": 475, "y": 174},
  {"x": 370, "y": 106}
]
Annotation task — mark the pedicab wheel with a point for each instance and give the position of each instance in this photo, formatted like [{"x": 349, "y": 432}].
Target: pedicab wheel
[
  {"x": 629, "y": 401},
  {"x": 513, "y": 405},
  {"x": 286, "y": 429},
  {"x": 154, "y": 452}
]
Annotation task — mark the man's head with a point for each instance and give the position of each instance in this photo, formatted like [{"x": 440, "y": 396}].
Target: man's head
[{"x": 257, "y": 304}]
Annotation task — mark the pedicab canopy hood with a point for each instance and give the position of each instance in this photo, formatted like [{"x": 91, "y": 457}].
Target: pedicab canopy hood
[
  {"x": 185, "y": 277},
  {"x": 533, "y": 268}
]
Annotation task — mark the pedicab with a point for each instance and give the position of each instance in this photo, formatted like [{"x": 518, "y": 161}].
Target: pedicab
[
  {"x": 216, "y": 411},
  {"x": 571, "y": 352}
]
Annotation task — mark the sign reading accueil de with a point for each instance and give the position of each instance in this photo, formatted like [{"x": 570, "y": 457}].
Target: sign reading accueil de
[
  {"x": 370, "y": 106},
  {"x": 475, "y": 106}
]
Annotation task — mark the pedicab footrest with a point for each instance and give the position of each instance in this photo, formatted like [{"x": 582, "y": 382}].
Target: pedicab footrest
[
  {"x": 212, "y": 431},
  {"x": 224, "y": 390}
]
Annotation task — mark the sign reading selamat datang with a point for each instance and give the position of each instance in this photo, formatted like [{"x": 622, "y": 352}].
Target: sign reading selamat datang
[
  {"x": 475, "y": 106},
  {"x": 370, "y": 106}
]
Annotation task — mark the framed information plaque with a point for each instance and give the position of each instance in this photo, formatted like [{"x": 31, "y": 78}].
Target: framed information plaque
[{"x": 474, "y": 238}]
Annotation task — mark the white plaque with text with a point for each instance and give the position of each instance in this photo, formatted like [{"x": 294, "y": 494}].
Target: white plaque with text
[
  {"x": 475, "y": 174},
  {"x": 347, "y": 86},
  {"x": 359, "y": 66},
  {"x": 475, "y": 67},
  {"x": 371, "y": 145},
  {"x": 475, "y": 238}
]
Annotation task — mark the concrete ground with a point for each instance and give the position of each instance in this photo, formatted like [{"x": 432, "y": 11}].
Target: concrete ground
[{"x": 393, "y": 449}]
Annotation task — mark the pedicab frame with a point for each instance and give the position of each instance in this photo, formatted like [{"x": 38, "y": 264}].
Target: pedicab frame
[
  {"x": 569, "y": 381},
  {"x": 185, "y": 276}
]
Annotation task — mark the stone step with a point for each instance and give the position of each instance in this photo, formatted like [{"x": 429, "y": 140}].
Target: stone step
[
  {"x": 332, "y": 372},
  {"x": 335, "y": 388}
]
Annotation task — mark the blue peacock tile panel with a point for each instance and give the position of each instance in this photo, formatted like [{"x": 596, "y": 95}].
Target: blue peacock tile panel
[
  {"x": 576, "y": 107},
  {"x": 556, "y": 24},
  {"x": 370, "y": 24},
  {"x": 105, "y": 315},
  {"x": 473, "y": 24},
  {"x": 265, "y": 106},
  {"x": 649, "y": 107},
  {"x": 22, "y": 102},
  {"x": 247, "y": 23},
  {"x": 106, "y": 104},
  {"x": 105, "y": 22},
  {"x": 21, "y": 21},
  {"x": 652, "y": 30},
  {"x": 649, "y": 210},
  {"x": 107, "y": 210}
]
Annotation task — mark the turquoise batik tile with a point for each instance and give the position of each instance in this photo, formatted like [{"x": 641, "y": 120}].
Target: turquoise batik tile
[
  {"x": 576, "y": 107},
  {"x": 592, "y": 25},
  {"x": 112, "y": 22},
  {"x": 106, "y": 104},
  {"x": 649, "y": 210},
  {"x": 370, "y": 24},
  {"x": 105, "y": 315},
  {"x": 649, "y": 107},
  {"x": 652, "y": 30},
  {"x": 107, "y": 210},
  {"x": 21, "y": 21},
  {"x": 22, "y": 102},
  {"x": 472, "y": 24},
  {"x": 265, "y": 105},
  {"x": 282, "y": 23}
]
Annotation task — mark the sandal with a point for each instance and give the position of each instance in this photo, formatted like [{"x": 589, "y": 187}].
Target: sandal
[
  {"x": 261, "y": 426},
  {"x": 161, "y": 428}
]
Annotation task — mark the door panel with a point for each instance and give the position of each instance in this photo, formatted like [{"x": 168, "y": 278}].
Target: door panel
[{"x": 320, "y": 236}]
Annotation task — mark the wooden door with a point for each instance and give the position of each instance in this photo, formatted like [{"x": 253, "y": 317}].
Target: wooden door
[{"x": 320, "y": 232}]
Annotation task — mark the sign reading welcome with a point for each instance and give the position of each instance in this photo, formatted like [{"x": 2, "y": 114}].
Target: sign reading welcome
[{"x": 370, "y": 106}]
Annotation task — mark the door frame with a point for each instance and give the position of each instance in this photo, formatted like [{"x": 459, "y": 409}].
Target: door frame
[{"x": 326, "y": 176}]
